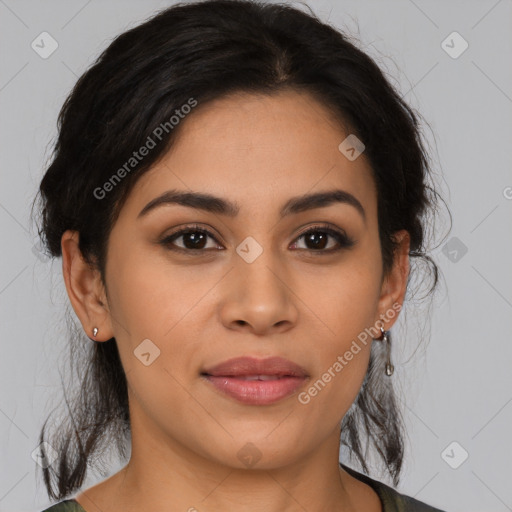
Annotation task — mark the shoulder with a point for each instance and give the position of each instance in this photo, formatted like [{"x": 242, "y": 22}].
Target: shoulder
[
  {"x": 65, "y": 506},
  {"x": 392, "y": 500}
]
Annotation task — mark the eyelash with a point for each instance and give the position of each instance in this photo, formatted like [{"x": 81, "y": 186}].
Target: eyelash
[{"x": 343, "y": 240}]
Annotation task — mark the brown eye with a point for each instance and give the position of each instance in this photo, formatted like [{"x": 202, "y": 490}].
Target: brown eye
[
  {"x": 317, "y": 239},
  {"x": 194, "y": 239}
]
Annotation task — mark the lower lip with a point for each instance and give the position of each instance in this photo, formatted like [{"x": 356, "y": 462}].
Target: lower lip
[{"x": 257, "y": 392}]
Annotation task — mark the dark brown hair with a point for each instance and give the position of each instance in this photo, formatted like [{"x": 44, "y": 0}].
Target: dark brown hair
[{"x": 206, "y": 50}]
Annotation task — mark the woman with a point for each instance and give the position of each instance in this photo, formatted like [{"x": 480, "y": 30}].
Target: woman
[{"x": 236, "y": 193}]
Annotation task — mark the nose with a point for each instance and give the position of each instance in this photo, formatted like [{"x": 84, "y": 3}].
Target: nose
[{"x": 259, "y": 297}]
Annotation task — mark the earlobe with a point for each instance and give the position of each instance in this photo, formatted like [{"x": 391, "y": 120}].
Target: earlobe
[
  {"x": 85, "y": 289},
  {"x": 394, "y": 285}
]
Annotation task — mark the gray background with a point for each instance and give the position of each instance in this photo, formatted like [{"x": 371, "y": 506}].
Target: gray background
[{"x": 457, "y": 388}]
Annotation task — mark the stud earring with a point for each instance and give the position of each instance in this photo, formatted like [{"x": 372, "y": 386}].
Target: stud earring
[
  {"x": 386, "y": 338},
  {"x": 94, "y": 332}
]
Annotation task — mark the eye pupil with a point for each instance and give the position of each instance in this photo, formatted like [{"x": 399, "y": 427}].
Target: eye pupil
[
  {"x": 195, "y": 237},
  {"x": 315, "y": 236}
]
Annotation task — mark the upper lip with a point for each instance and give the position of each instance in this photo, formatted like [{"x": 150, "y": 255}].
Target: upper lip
[{"x": 243, "y": 366}]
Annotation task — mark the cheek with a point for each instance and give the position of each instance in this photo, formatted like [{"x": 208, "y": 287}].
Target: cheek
[
  {"x": 149, "y": 299},
  {"x": 158, "y": 318},
  {"x": 152, "y": 325},
  {"x": 343, "y": 366},
  {"x": 347, "y": 308},
  {"x": 345, "y": 298}
]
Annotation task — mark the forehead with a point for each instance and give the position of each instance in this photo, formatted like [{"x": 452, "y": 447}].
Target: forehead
[{"x": 258, "y": 149}]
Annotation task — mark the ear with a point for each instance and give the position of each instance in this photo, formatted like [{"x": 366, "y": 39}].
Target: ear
[
  {"x": 85, "y": 289},
  {"x": 394, "y": 285}
]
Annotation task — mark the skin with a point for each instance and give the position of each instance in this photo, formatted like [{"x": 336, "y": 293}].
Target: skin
[{"x": 200, "y": 310}]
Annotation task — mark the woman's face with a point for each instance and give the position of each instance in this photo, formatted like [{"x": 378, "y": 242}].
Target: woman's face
[{"x": 254, "y": 286}]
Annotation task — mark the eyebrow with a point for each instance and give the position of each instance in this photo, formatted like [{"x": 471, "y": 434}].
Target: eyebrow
[{"x": 218, "y": 205}]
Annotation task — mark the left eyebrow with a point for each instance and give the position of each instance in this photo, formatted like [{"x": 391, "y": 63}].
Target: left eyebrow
[{"x": 213, "y": 204}]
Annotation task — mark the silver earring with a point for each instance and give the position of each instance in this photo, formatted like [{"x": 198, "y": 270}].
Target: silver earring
[
  {"x": 94, "y": 332},
  {"x": 386, "y": 338}
]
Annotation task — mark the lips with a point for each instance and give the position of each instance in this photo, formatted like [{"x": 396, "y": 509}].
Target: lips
[
  {"x": 256, "y": 369},
  {"x": 256, "y": 381}
]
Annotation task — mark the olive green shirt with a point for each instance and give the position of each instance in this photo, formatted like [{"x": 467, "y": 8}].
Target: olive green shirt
[{"x": 392, "y": 501}]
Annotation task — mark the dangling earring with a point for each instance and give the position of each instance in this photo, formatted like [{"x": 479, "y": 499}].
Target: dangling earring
[
  {"x": 94, "y": 332},
  {"x": 386, "y": 338}
]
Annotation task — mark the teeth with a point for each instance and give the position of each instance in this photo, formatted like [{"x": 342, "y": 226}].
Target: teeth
[{"x": 260, "y": 377}]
